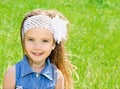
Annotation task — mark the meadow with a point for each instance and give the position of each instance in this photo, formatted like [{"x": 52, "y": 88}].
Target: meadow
[{"x": 94, "y": 38}]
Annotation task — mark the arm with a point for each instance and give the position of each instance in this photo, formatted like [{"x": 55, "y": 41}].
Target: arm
[
  {"x": 60, "y": 81},
  {"x": 9, "y": 79}
]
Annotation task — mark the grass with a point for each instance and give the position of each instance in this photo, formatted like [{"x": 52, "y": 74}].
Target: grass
[{"x": 93, "y": 43}]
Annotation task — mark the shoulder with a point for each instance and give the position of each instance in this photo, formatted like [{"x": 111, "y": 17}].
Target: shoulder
[
  {"x": 9, "y": 78},
  {"x": 10, "y": 72},
  {"x": 60, "y": 80},
  {"x": 60, "y": 74}
]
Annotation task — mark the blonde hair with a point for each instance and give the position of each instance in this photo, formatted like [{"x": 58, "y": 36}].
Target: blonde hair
[{"x": 57, "y": 56}]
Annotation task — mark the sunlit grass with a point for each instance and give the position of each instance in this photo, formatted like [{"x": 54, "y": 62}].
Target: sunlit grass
[{"x": 93, "y": 43}]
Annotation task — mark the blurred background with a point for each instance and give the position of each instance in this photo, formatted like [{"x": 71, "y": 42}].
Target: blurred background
[{"x": 94, "y": 38}]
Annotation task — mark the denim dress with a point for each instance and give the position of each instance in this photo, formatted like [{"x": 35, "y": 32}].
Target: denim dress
[{"x": 26, "y": 78}]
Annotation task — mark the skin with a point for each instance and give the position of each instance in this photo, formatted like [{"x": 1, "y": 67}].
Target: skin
[{"x": 38, "y": 45}]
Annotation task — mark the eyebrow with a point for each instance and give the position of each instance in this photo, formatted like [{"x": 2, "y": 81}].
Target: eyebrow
[{"x": 34, "y": 37}]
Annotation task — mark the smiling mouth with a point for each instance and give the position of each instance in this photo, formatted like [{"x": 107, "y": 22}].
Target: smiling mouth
[{"x": 37, "y": 54}]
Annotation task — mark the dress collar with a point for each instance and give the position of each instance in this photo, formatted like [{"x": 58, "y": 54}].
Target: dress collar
[{"x": 26, "y": 68}]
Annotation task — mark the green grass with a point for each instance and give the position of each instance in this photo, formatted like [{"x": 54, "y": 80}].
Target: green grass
[{"x": 93, "y": 45}]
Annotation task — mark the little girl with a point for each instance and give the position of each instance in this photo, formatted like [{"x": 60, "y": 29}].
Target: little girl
[{"x": 44, "y": 65}]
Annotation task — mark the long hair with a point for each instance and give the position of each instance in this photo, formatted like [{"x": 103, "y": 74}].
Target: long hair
[{"x": 57, "y": 55}]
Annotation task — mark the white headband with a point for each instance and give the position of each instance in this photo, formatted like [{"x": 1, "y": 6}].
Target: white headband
[{"x": 57, "y": 26}]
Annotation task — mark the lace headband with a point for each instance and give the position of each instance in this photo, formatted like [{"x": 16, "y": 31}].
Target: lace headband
[{"x": 56, "y": 25}]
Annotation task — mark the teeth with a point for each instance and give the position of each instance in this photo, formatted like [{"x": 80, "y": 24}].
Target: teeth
[{"x": 37, "y": 54}]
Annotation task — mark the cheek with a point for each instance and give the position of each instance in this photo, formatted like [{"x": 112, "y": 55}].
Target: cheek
[
  {"x": 47, "y": 48},
  {"x": 28, "y": 46}
]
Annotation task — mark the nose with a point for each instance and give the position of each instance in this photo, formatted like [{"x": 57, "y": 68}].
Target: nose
[{"x": 37, "y": 45}]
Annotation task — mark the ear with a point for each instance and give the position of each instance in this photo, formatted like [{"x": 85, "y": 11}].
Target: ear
[{"x": 53, "y": 47}]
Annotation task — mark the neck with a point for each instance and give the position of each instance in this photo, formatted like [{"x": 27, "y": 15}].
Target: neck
[{"x": 37, "y": 67}]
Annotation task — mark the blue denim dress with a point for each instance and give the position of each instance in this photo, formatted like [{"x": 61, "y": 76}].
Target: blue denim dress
[{"x": 26, "y": 78}]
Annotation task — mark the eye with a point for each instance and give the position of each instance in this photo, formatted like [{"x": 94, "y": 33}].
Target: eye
[
  {"x": 30, "y": 39},
  {"x": 45, "y": 41}
]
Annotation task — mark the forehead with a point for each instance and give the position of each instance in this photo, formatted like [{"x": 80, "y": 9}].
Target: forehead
[{"x": 39, "y": 33}]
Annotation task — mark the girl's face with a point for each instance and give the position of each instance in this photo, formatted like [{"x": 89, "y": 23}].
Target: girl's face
[{"x": 38, "y": 44}]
